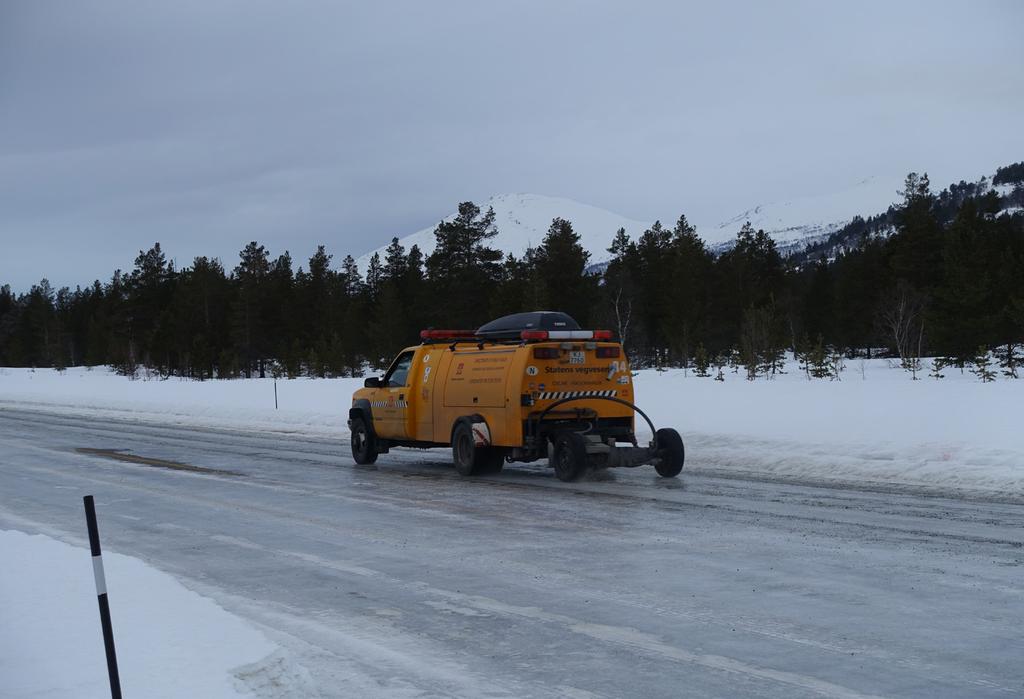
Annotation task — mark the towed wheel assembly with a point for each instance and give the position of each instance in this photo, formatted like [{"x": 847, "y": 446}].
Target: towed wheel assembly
[
  {"x": 571, "y": 451},
  {"x": 670, "y": 453},
  {"x": 572, "y": 454}
]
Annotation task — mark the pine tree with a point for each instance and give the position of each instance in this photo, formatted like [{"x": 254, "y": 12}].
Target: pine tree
[
  {"x": 462, "y": 266},
  {"x": 150, "y": 288},
  {"x": 374, "y": 277},
  {"x": 836, "y": 365},
  {"x": 750, "y": 275},
  {"x": 815, "y": 360},
  {"x": 559, "y": 268},
  {"x": 512, "y": 293},
  {"x": 775, "y": 361},
  {"x": 281, "y": 315},
  {"x": 353, "y": 314},
  {"x": 248, "y": 318},
  {"x": 803, "y": 357},
  {"x": 701, "y": 361},
  {"x": 689, "y": 277},
  {"x": 982, "y": 364},
  {"x": 1010, "y": 359},
  {"x": 757, "y": 351},
  {"x": 388, "y": 325},
  {"x": 938, "y": 364},
  {"x": 621, "y": 293},
  {"x": 200, "y": 315},
  {"x": 351, "y": 279},
  {"x": 396, "y": 263},
  {"x": 316, "y": 290},
  {"x": 916, "y": 253},
  {"x": 655, "y": 278}
]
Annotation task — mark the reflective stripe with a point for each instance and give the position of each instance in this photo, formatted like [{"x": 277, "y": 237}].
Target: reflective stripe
[
  {"x": 97, "y": 571},
  {"x": 389, "y": 404},
  {"x": 558, "y": 395}
]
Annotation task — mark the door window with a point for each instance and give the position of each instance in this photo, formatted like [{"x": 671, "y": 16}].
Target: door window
[{"x": 398, "y": 374}]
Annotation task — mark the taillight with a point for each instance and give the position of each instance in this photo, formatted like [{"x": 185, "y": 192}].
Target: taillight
[
  {"x": 547, "y": 353},
  {"x": 607, "y": 352},
  {"x": 534, "y": 334},
  {"x": 603, "y": 335}
]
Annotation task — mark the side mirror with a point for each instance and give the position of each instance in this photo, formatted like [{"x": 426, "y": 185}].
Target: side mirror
[{"x": 372, "y": 382}]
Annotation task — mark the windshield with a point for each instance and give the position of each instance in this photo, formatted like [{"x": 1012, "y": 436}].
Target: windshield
[{"x": 399, "y": 372}]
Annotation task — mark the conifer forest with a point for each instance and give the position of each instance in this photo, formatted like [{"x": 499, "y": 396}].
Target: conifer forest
[{"x": 940, "y": 275}]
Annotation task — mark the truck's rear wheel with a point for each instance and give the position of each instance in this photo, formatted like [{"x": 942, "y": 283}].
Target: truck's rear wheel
[
  {"x": 570, "y": 456},
  {"x": 364, "y": 445},
  {"x": 671, "y": 453},
  {"x": 470, "y": 459}
]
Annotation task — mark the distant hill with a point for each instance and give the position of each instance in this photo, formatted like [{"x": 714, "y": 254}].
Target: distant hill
[
  {"x": 1005, "y": 190},
  {"x": 795, "y": 223},
  {"x": 805, "y": 228},
  {"x": 522, "y": 221}
]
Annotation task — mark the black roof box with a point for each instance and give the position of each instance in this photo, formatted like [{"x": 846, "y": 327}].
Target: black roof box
[{"x": 509, "y": 327}]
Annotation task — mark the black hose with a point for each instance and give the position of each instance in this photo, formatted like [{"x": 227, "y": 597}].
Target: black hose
[{"x": 654, "y": 432}]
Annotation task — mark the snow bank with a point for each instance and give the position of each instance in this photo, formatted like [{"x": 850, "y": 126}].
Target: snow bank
[
  {"x": 170, "y": 641},
  {"x": 876, "y": 425},
  {"x": 305, "y": 405},
  {"x": 952, "y": 433}
]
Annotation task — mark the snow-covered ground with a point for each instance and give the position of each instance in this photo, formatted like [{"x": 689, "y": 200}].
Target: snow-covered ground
[
  {"x": 875, "y": 426},
  {"x": 405, "y": 579},
  {"x": 170, "y": 641}
]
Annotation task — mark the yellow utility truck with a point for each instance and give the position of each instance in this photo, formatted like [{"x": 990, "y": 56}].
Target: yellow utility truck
[{"x": 524, "y": 387}]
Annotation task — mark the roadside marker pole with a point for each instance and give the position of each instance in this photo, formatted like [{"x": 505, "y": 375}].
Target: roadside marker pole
[
  {"x": 101, "y": 595},
  {"x": 275, "y": 393}
]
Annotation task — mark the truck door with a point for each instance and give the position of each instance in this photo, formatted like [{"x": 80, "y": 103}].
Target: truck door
[
  {"x": 424, "y": 375},
  {"x": 390, "y": 411}
]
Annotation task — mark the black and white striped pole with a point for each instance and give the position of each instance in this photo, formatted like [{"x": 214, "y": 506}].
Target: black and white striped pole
[{"x": 101, "y": 595}]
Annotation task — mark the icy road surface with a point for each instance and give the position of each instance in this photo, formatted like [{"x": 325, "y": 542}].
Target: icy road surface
[{"x": 519, "y": 585}]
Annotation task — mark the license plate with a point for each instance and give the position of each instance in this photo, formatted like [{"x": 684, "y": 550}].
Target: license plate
[{"x": 577, "y": 358}]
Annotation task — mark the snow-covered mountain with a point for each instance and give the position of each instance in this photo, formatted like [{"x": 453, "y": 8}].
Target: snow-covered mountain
[
  {"x": 797, "y": 222},
  {"x": 522, "y": 221}
]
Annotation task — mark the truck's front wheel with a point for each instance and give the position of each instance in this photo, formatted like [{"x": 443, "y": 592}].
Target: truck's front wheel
[{"x": 364, "y": 445}]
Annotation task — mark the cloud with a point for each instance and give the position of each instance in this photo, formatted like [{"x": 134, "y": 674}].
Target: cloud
[{"x": 208, "y": 124}]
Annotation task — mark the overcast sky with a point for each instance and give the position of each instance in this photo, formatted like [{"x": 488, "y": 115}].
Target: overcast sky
[{"x": 206, "y": 124}]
